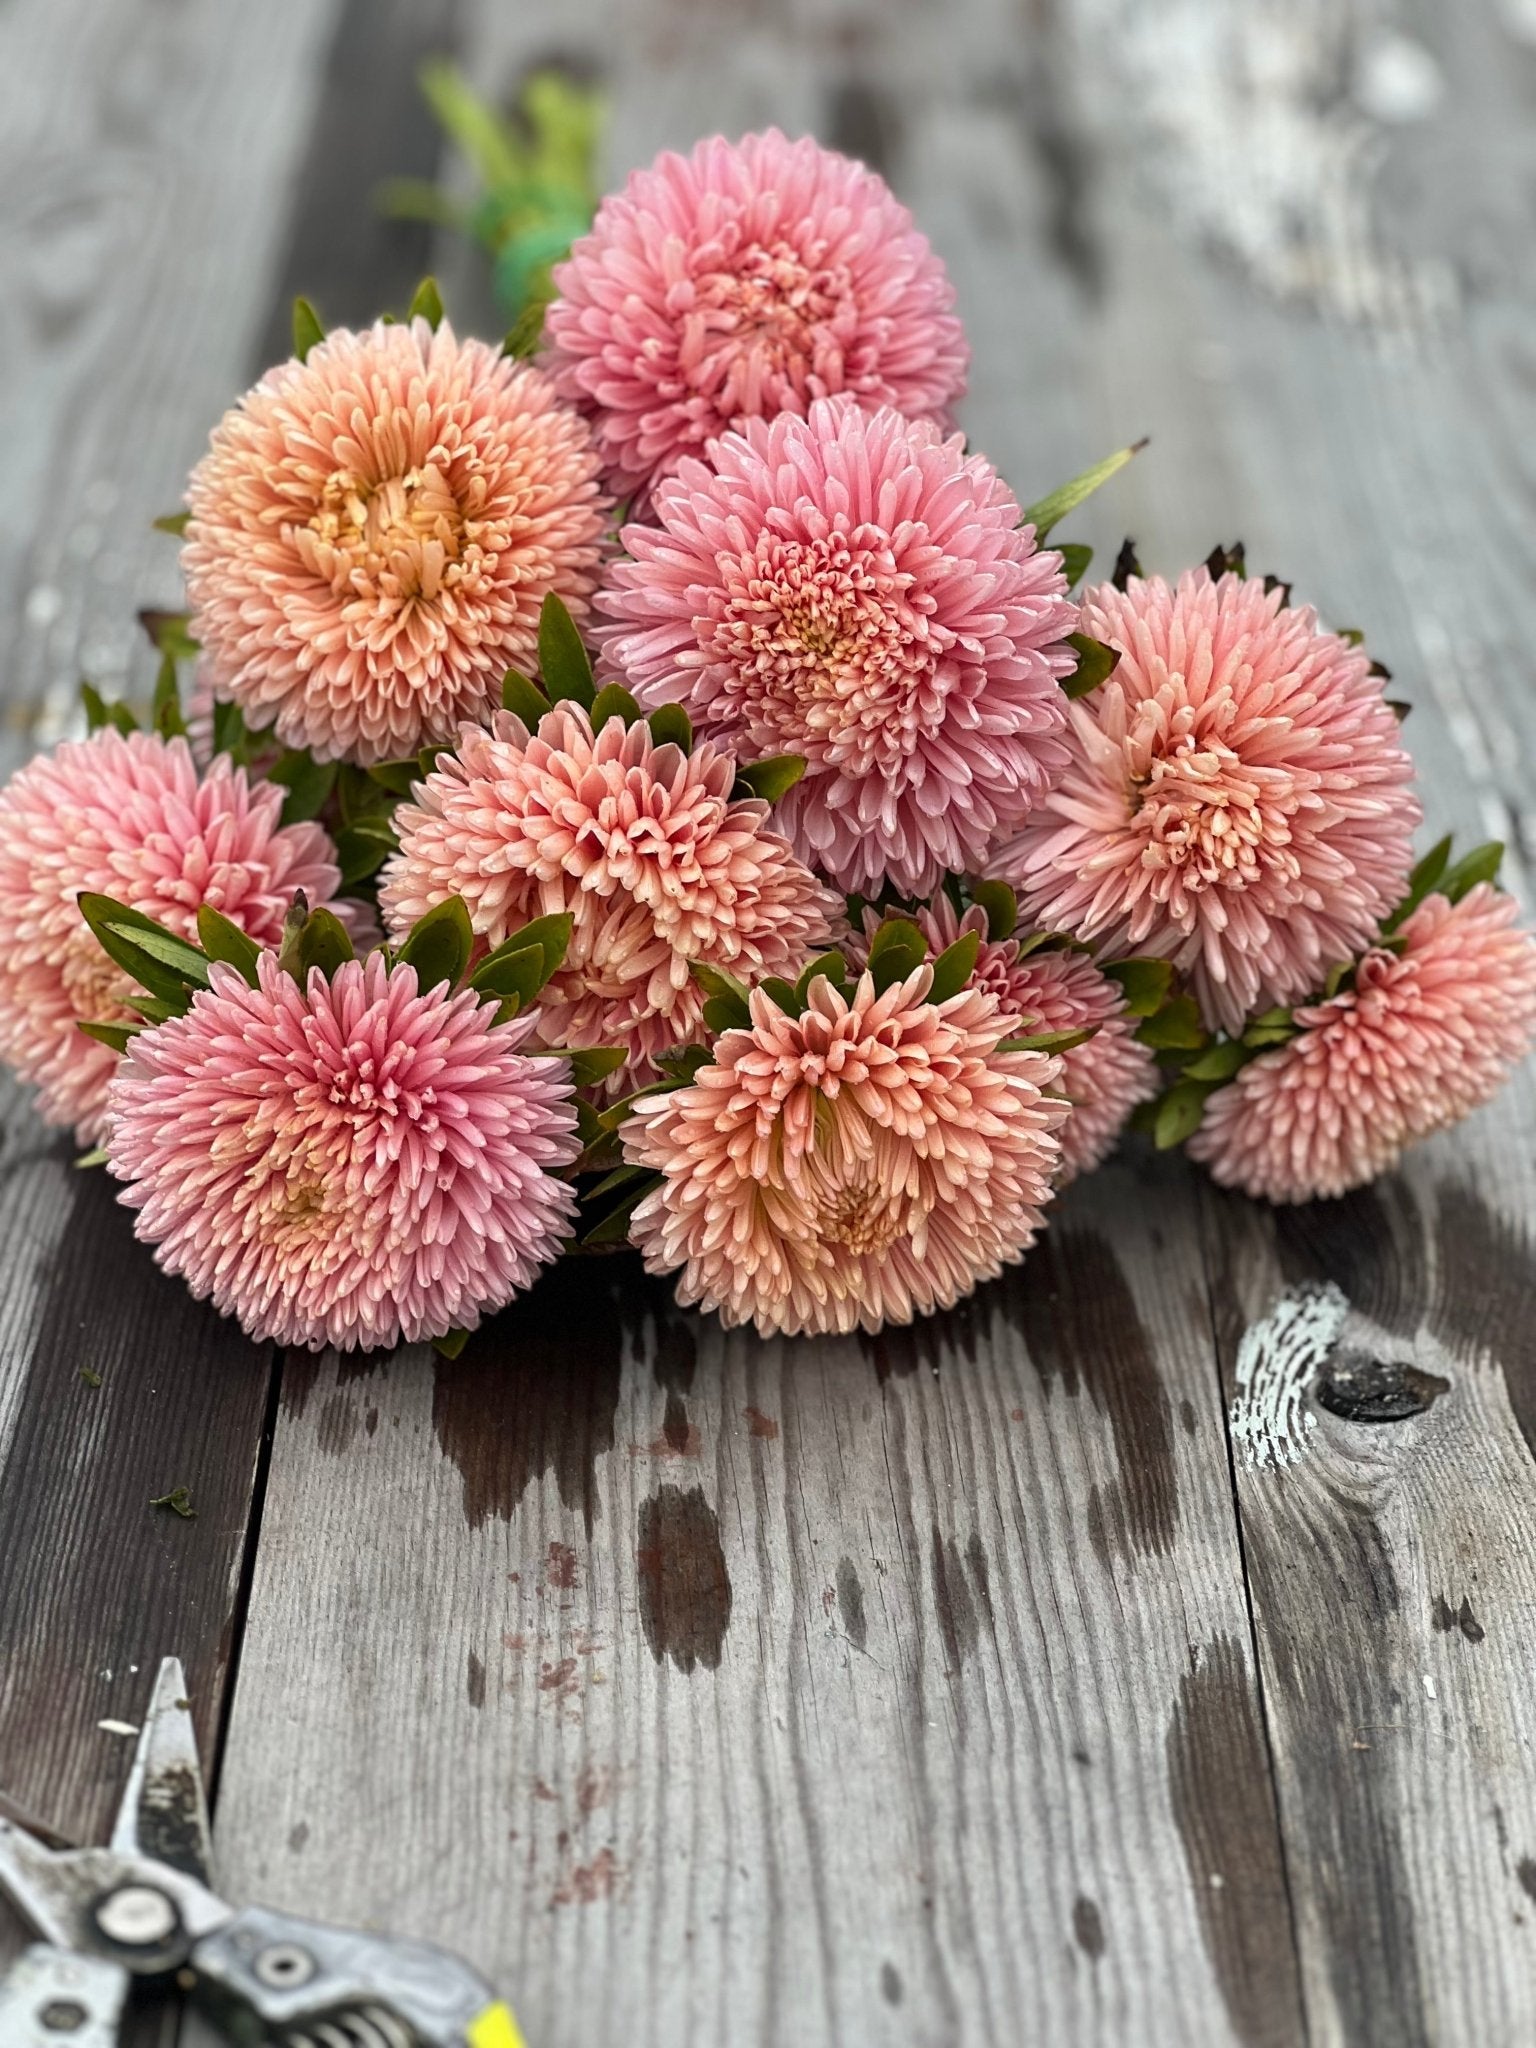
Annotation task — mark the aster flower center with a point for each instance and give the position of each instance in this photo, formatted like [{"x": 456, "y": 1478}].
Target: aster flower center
[
  {"x": 406, "y": 529},
  {"x": 1208, "y": 820},
  {"x": 97, "y": 989},
  {"x": 767, "y": 328},
  {"x": 828, "y": 650}
]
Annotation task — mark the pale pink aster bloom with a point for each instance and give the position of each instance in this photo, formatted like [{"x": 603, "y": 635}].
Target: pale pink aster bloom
[
  {"x": 129, "y": 818},
  {"x": 745, "y": 280},
  {"x": 1418, "y": 1043},
  {"x": 1238, "y": 799},
  {"x": 855, "y": 588},
  {"x": 350, "y": 1163},
  {"x": 868, "y": 1161},
  {"x": 640, "y": 842},
  {"x": 373, "y": 533},
  {"x": 1103, "y": 1078}
]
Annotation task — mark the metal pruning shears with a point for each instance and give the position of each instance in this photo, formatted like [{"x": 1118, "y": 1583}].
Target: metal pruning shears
[{"x": 143, "y": 1907}]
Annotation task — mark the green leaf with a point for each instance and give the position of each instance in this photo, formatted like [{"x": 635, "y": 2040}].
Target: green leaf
[
  {"x": 831, "y": 965},
  {"x": 362, "y": 849},
  {"x": 229, "y": 733},
  {"x": 1480, "y": 865},
  {"x": 179, "y": 1501},
  {"x": 324, "y": 942},
  {"x": 307, "y": 330},
  {"x": 439, "y": 944},
  {"x": 362, "y": 800},
  {"x": 546, "y": 938},
  {"x": 1176, "y": 1027},
  {"x": 224, "y": 941},
  {"x": 169, "y": 633},
  {"x": 1126, "y": 564},
  {"x": 308, "y": 783},
  {"x": 426, "y": 303},
  {"x": 1232, "y": 561},
  {"x": 1075, "y": 558},
  {"x": 1178, "y": 1114},
  {"x": 451, "y": 1343},
  {"x": 897, "y": 950},
  {"x": 783, "y": 993},
  {"x": 770, "y": 779},
  {"x": 1049, "y": 1041},
  {"x": 98, "y": 712},
  {"x": 1425, "y": 877},
  {"x": 172, "y": 522},
  {"x": 115, "y": 1035},
  {"x": 1219, "y": 1063},
  {"x": 159, "y": 961},
  {"x": 683, "y": 1062},
  {"x": 511, "y": 971},
  {"x": 564, "y": 664},
  {"x": 614, "y": 1228},
  {"x": 716, "y": 982},
  {"x": 1270, "y": 1027},
  {"x": 1144, "y": 983},
  {"x": 1095, "y": 664},
  {"x": 613, "y": 701},
  {"x": 398, "y": 777},
  {"x": 621, "y": 1177},
  {"x": 1001, "y": 906},
  {"x": 1049, "y": 510},
  {"x": 522, "y": 338},
  {"x": 954, "y": 967},
  {"x": 724, "y": 1013},
  {"x": 97, "y": 1156},
  {"x": 670, "y": 724},
  {"x": 523, "y": 698},
  {"x": 165, "y": 711},
  {"x": 593, "y": 1063}
]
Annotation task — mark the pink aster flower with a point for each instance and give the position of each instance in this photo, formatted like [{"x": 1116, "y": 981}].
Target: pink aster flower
[
  {"x": 350, "y": 1163},
  {"x": 641, "y": 843},
  {"x": 854, "y": 588},
  {"x": 870, "y": 1160},
  {"x": 373, "y": 533},
  {"x": 1238, "y": 800},
  {"x": 1420, "y": 1040},
  {"x": 1105, "y": 1077},
  {"x": 746, "y": 280},
  {"x": 127, "y": 817}
]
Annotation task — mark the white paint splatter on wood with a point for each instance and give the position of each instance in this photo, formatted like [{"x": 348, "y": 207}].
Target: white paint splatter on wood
[{"x": 1275, "y": 1361}]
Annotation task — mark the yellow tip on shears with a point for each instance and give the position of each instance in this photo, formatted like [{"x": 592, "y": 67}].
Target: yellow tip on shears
[{"x": 494, "y": 2028}]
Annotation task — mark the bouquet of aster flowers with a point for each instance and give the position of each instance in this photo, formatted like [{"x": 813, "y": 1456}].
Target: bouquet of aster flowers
[{"x": 662, "y": 788}]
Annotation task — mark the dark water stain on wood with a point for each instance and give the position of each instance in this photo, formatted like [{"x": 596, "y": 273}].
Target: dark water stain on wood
[
  {"x": 685, "y": 1589},
  {"x": 892, "y": 1990},
  {"x": 865, "y": 122},
  {"x": 674, "y": 1337},
  {"x": 1088, "y": 1927},
  {"x": 300, "y": 1371},
  {"x": 1361, "y": 1388},
  {"x": 1371, "y": 1244},
  {"x": 536, "y": 1391},
  {"x": 474, "y": 1680},
  {"x": 1224, "y": 1809},
  {"x": 954, "y": 1603},
  {"x": 1080, "y": 1321},
  {"x": 1446, "y": 1617},
  {"x": 1525, "y": 1871},
  {"x": 850, "y": 1601},
  {"x": 675, "y": 1428},
  {"x": 337, "y": 1425},
  {"x": 1187, "y": 1420},
  {"x": 1486, "y": 1282}
]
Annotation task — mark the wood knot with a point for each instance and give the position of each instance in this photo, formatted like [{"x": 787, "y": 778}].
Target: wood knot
[{"x": 1361, "y": 1388}]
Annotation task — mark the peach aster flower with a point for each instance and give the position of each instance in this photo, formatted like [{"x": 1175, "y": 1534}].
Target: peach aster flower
[
  {"x": 349, "y": 1163},
  {"x": 854, "y": 588},
  {"x": 1238, "y": 799},
  {"x": 640, "y": 842},
  {"x": 127, "y": 817},
  {"x": 745, "y": 280},
  {"x": 1421, "y": 1040},
  {"x": 872, "y": 1159},
  {"x": 373, "y": 533},
  {"x": 1103, "y": 1078}
]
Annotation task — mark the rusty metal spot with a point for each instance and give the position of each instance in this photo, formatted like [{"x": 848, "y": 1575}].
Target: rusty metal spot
[{"x": 1360, "y": 1388}]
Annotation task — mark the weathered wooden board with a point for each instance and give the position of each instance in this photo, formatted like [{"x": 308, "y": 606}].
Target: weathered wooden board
[{"x": 140, "y": 144}]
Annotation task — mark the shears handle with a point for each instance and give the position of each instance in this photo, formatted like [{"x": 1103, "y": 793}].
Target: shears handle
[{"x": 53, "y": 1998}]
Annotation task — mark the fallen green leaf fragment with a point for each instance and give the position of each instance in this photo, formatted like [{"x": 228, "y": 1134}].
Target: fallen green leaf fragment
[
  {"x": 1049, "y": 510},
  {"x": 179, "y": 1501},
  {"x": 92, "y": 1379}
]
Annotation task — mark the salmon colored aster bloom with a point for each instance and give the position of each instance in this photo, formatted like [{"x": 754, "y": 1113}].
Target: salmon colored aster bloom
[
  {"x": 1052, "y": 990},
  {"x": 745, "y": 280},
  {"x": 130, "y": 818},
  {"x": 872, "y": 1159},
  {"x": 855, "y": 589},
  {"x": 373, "y": 533},
  {"x": 1238, "y": 799},
  {"x": 1421, "y": 1040},
  {"x": 349, "y": 1163},
  {"x": 640, "y": 842}
]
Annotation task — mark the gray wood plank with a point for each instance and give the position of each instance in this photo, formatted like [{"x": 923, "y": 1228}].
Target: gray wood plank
[
  {"x": 140, "y": 145},
  {"x": 711, "y": 1690}
]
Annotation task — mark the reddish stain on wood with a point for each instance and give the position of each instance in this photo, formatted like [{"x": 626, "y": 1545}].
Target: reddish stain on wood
[
  {"x": 761, "y": 1425},
  {"x": 560, "y": 1566},
  {"x": 585, "y": 1883}
]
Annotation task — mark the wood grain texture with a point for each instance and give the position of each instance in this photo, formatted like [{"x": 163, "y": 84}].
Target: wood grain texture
[{"x": 883, "y": 1690}]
